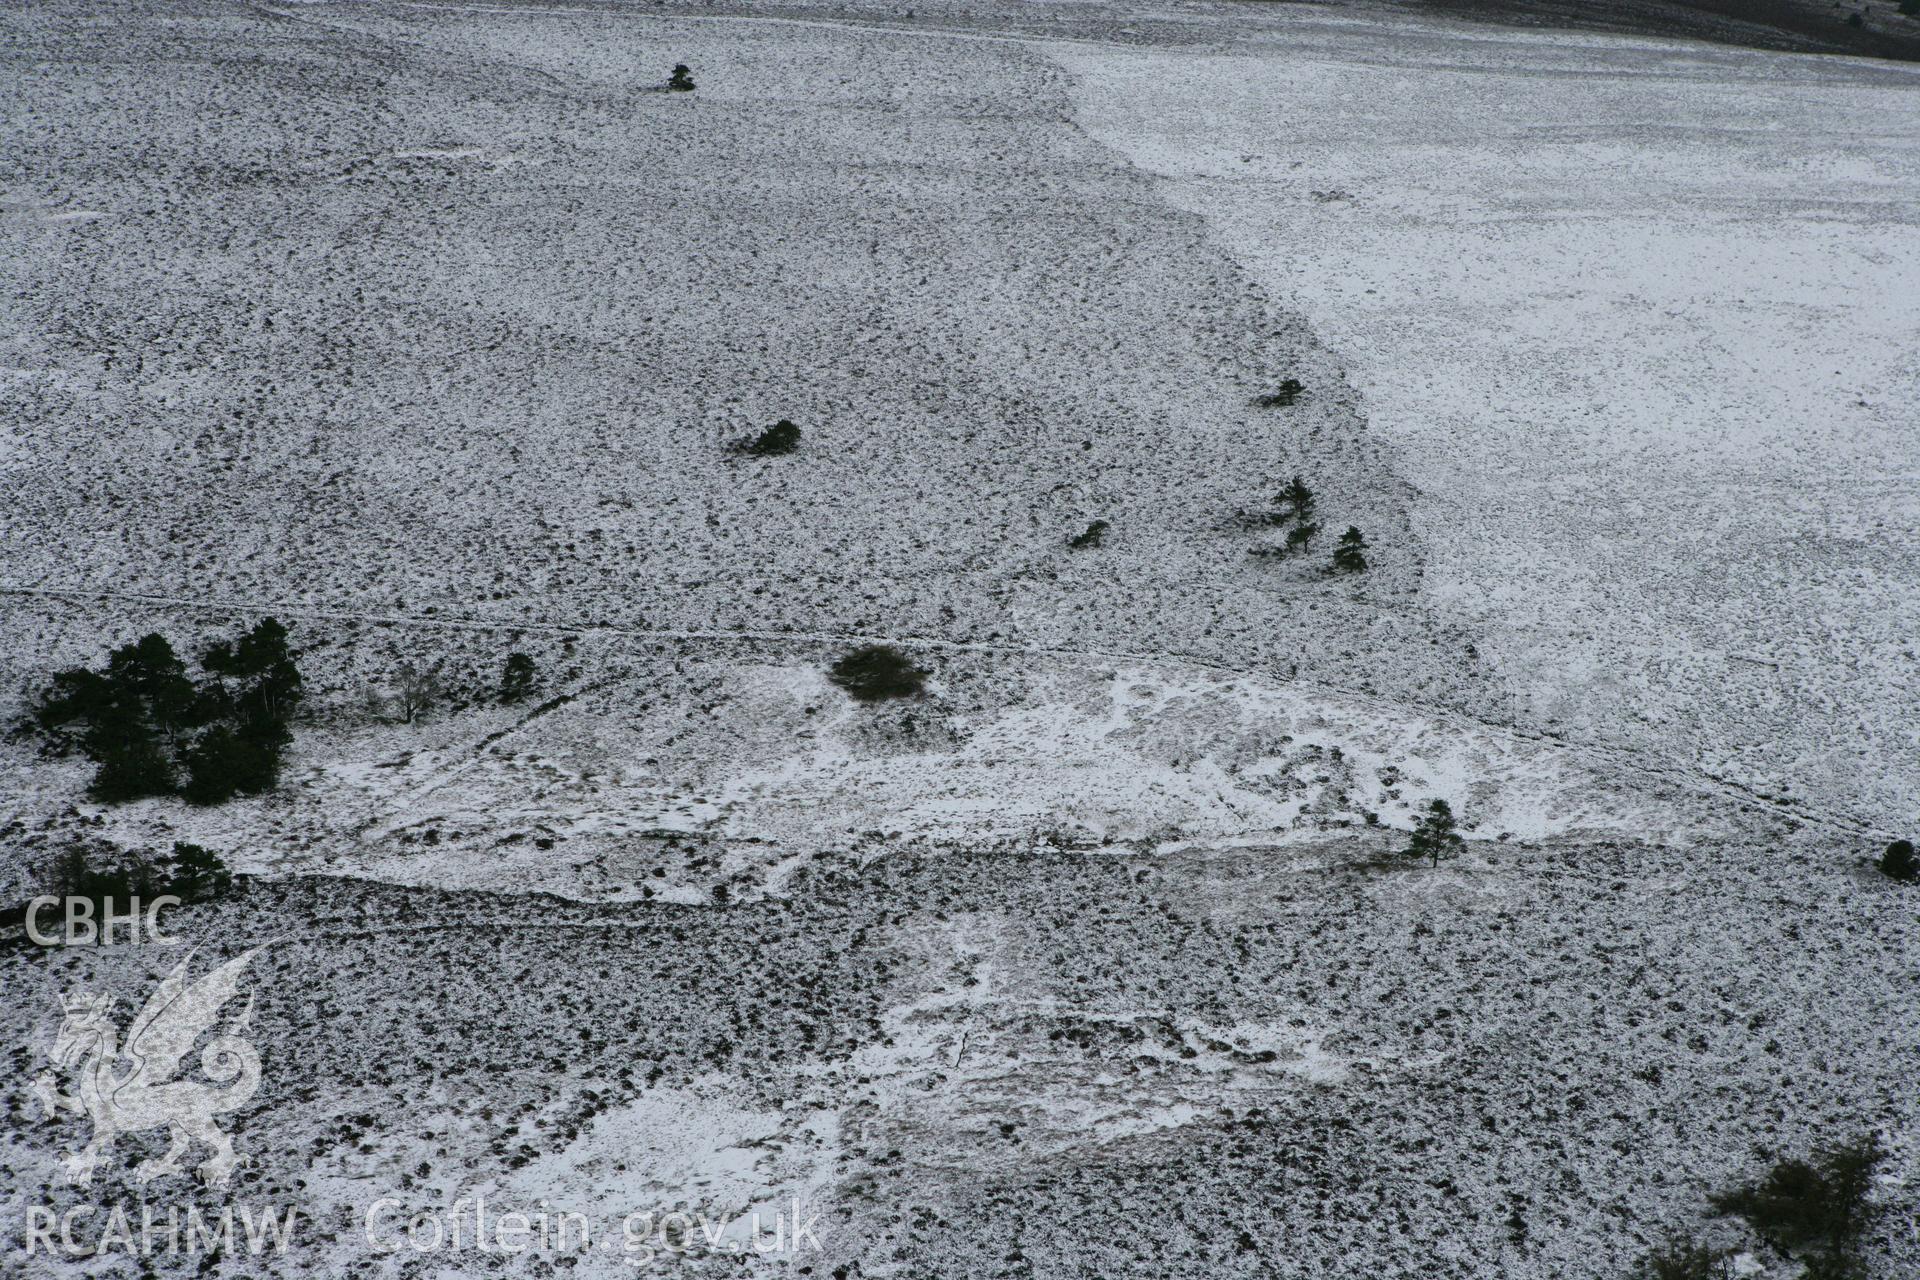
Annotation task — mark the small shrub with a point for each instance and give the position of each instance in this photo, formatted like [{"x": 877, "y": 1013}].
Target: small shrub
[
  {"x": 776, "y": 441},
  {"x": 1899, "y": 863},
  {"x": 1434, "y": 836},
  {"x": 877, "y": 672},
  {"x": 1283, "y": 398},
  {"x": 681, "y": 81},
  {"x": 1090, "y": 538},
  {"x": 516, "y": 681},
  {"x": 416, "y": 691}
]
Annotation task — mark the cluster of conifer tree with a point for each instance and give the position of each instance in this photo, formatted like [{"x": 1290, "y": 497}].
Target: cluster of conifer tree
[
  {"x": 153, "y": 729},
  {"x": 109, "y": 877},
  {"x": 1294, "y": 506}
]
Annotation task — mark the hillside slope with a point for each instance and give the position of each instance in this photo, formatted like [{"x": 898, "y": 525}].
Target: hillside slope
[{"x": 431, "y": 329}]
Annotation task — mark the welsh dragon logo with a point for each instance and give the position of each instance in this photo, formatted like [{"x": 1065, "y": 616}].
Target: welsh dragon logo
[{"x": 126, "y": 1088}]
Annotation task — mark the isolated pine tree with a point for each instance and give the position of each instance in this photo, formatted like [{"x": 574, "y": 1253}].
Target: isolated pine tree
[
  {"x": 1296, "y": 501},
  {"x": 1294, "y": 505},
  {"x": 1434, "y": 836},
  {"x": 1090, "y": 537},
  {"x": 681, "y": 81},
  {"x": 1350, "y": 555}
]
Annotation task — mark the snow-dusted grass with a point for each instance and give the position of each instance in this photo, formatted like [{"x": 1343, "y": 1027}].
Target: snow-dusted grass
[
  {"x": 1037, "y": 1046},
  {"x": 427, "y": 328},
  {"x": 1637, "y": 317}
]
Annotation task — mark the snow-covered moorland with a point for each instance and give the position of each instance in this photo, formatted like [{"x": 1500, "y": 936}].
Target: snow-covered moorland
[{"x": 433, "y": 330}]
